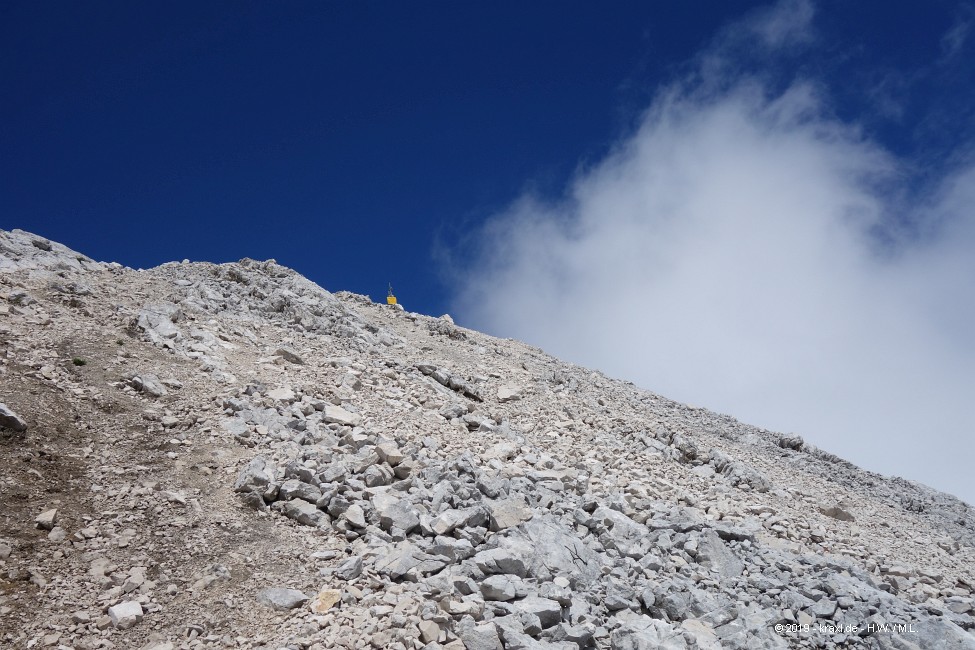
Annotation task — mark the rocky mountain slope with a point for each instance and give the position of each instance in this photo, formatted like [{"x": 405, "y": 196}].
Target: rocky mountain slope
[{"x": 229, "y": 456}]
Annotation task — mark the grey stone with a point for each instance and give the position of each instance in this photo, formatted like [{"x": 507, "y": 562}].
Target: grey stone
[
  {"x": 507, "y": 513},
  {"x": 253, "y": 500},
  {"x": 579, "y": 635},
  {"x": 550, "y": 549},
  {"x": 390, "y": 454},
  {"x": 791, "y": 441},
  {"x": 157, "y": 320},
  {"x": 338, "y": 415},
  {"x": 281, "y": 599},
  {"x": 500, "y": 587},
  {"x": 645, "y": 633},
  {"x": 475, "y": 636},
  {"x": 557, "y": 590},
  {"x": 362, "y": 461},
  {"x": 47, "y": 519},
  {"x": 449, "y": 520},
  {"x": 395, "y": 513},
  {"x": 302, "y": 512},
  {"x": 454, "y": 382},
  {"x": 502, "y": 560},
  {"x": 355, "y": 516},
  {"x": 349, "y": 569},
  {"x": 283, "y": 394},
  {"x": 429, "y": 631},
  {"x": 622, "y": 533},
  {"x": 823, "y": 609},
  {"x": 715, "y": 554},
  {"x": 451, "y": 548},
  {"x": 10, "y": 420},
  {"x": 738, "y": 473},
  {"x": 509, "y": 394},
  {"x": 471, "y": 605},
  {"x": 398, "y": 560},
  {"x": 619, "y": 596},
  {"x": 42, "y": 244},
  {"x": 148, "y": 384},
  {"x": 703, "y": 634},
  {"x": 518, "y": 640},
  {"x": 549, "y": 612},
  {"x": 255, "y": 477},
  {"x": 377, "y": 475},
  {"x": 295, "y": 489}
]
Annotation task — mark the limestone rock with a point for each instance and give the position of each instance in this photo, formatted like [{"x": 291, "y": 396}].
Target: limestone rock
[
  {"x": 125, "y": 615},
  {"x": 646, "y": 633},
  {"x": 509, "y": 394},
  {"x": 295, "y": 489},
  {"x": 549, "y": 612},
  {"x": 302, "y": 512},
  {"x": 47, "y": 519},
  {"x": 338, "y": 415},
  {"x": 712, "y": 552},
  {"x": 281, "y": 599},
  {"x": 507, "y": 513},
  {"x": 475, "y": 636},
  {"x": 429, "y": 631},
  {"x": 148, "y": 384},
  {"x": 502, "y": 560},
  {"x": 355, "y": 516},
  {"x": 500, "y": 587},
  {"x": 395, "y": 514},
  {"x": 255, "y": 477},
  {"x": 283, "y": 394}
]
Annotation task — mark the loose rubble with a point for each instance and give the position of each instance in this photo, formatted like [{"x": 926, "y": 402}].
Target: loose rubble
[{"x": 245, "y": 460}]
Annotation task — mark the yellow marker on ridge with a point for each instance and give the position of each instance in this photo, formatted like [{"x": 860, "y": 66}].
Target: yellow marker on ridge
[{"x": 390, "y": 298}]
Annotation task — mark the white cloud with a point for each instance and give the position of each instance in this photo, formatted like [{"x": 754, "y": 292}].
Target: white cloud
[
  {"x": 740, "y": 251},
  {"x": 785, "y": 23},
  {"x": 954, "y": 39}
]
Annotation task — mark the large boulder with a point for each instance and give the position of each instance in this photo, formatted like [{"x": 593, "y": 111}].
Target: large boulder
[
  {"x": 555, "y": 550},
  {"x": 715, "y": 554},
  {"x": 10, "y": 420},
  {"x": 157, "y": 320},
  {"x": 506, "y": 513}
]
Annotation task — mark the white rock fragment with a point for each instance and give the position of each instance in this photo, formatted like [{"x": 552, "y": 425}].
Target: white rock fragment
[
  {"x": 338, "y": 415},
  {"x": 282, "y": 395},
  {"x": 509, "y": 394},
  {"x": 125, "y": 615},
  {"x": 47, "y": 519},
  {"x": 506, "y": 513}
]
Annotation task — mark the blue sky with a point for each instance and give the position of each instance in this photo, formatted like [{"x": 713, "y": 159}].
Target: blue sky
[
  {"x": 762, "y": 208},
  {"x": 344, "y": 139},
  {"x": 339, "y": 138}
]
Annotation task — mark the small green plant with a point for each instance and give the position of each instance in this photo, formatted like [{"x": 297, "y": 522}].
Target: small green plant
[
  {"x": 78, "y": 361},
  {"x": 119, "y": 342}
]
